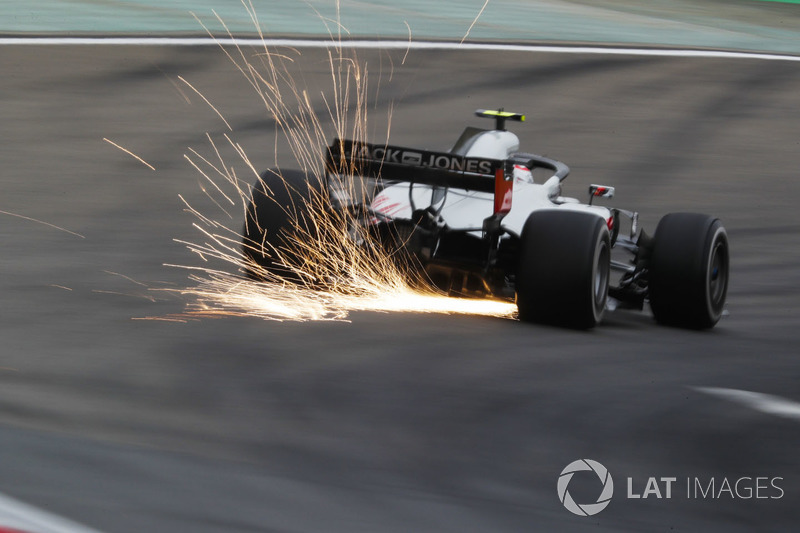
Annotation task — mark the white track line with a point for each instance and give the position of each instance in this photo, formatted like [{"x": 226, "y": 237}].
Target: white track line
[
  {"x": 389, "y": 45},
  {"x": 765, "y": 403},
  {"x": 23, "y": 517}
]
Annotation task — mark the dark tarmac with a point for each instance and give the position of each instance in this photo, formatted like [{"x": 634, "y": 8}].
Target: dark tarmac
[{"x": 389, "y": 422}]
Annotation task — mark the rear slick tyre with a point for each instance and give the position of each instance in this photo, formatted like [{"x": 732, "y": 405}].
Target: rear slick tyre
[
  {"x": 278, "y": 213},
  {"x": 689, "y": 270},
  {"x": 563, "y": 271}
]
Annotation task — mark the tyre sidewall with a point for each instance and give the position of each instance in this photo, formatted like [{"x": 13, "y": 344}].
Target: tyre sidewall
[
  {"x": 680, "y": 270},
  {"x": 560, "y": 258}
]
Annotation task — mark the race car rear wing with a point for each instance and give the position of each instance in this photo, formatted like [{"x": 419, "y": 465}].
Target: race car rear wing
[
  {"x": 440, "y": 169},
  {"x": 395, "y": 163}
]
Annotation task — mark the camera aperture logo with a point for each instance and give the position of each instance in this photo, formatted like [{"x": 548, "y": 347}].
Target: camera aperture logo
[{"x": 585, "y": 509}]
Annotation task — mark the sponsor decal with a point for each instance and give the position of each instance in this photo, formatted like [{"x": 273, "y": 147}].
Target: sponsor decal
[{"x": 401, "y": 156}]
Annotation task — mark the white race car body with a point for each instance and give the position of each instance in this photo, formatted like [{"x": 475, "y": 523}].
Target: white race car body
[
  {"x": 463, "y": 209},
  {"x": 473, "y": 221}
]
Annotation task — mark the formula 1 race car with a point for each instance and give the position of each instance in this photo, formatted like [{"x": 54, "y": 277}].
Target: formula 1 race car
[{"x": 474, "y": 222}]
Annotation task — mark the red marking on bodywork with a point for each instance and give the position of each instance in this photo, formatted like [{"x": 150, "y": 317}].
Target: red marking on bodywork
[
  {"x": 389, "y": 209},
  {"x": 502, "y": 192}
]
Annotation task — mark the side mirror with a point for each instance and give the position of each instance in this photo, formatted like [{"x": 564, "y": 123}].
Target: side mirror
[{"x": 600, "y": 191}]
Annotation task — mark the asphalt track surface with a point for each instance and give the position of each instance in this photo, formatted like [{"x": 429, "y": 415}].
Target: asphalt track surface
[{"x": 390, "y": 422}]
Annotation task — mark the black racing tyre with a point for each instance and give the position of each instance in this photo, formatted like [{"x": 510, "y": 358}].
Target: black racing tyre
[
  {"x": 689, "y": 268},
  {"x": 563, "y": 270},
  {"x": 279, "y": 205}
]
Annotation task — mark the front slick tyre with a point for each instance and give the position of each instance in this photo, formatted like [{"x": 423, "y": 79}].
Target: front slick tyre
[
  {"x": 563, "y": 272},
  {"x": 689, "y": 267}
]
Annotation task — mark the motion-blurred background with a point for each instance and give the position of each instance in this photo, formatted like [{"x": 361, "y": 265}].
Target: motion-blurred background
[{"x": 766, "y": 25}]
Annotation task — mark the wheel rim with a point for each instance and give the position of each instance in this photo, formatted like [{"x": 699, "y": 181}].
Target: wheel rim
[
  {"x": 601, "y": 274},
  {"x": 717, "y": 281}
]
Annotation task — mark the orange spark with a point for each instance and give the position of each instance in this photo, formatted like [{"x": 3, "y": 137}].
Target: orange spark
[
  {"x": 49, "y": 225},
  {"x": 337, "y": 273},
  {"x": 474, "y": 22},
  {"x": 145, "y": 163}
]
